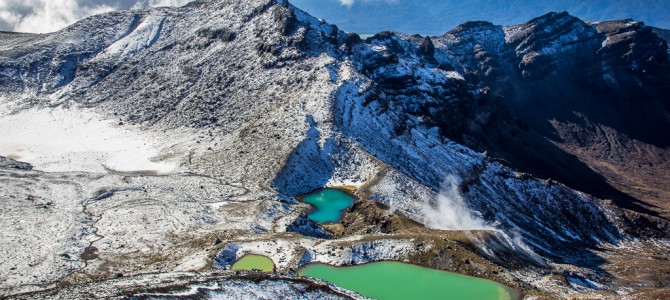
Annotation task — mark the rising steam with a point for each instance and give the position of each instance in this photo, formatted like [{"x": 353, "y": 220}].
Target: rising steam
[{"x": 449, "y": 212}]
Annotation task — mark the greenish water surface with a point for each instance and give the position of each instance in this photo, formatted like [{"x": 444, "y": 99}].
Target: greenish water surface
[
  {"x": 396, "y": 280},
  {"x": 251, "y": 261},
  {"x": 329, "y": 203}
]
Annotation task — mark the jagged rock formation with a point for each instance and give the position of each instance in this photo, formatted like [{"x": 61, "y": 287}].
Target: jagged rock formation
[
  {"x": 256, "y": 102},
  {"x": 588, "y": 94},
  {"x": 307, "y": 227}
]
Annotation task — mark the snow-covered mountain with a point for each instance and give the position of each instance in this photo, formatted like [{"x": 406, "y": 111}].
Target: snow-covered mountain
[{"x": 140, "y": 130}]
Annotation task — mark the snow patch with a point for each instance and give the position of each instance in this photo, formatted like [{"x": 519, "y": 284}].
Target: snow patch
[
  {"x": 140, "y": 38},
  {"x": 379, "y": 48},
  {"x": 217, "y": 205},
  {"x": 155, "y": 33},
  {"x": 61, "y": 140},
  {"x": 193, "y": 262},
  {"x": 454, "y": 75}
]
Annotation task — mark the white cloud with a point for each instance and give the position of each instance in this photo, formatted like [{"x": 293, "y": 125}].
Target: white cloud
[
  {"x": 9, "y": 17},
  {"x": 40, "y": 16},
  {"x": 347, "y": 2},
  {"x": 45, "y": 15}
]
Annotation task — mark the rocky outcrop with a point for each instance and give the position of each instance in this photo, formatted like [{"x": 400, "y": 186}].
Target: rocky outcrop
[
  {"x": 304, "y": 226},
  {"x": 13, "y": 164},
  {"x": 427, "y": 48}
]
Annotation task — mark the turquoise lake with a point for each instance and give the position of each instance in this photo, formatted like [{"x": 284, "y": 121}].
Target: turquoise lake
[{"x": 329, "y": 204}]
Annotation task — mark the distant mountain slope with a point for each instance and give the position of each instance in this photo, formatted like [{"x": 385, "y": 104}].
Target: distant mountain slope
[{"x": 598, "y": 92}]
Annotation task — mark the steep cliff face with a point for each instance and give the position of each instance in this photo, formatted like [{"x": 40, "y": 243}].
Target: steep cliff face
[
  {"x": 255, "y": 102},
  {"x": 573, "y": 101}
]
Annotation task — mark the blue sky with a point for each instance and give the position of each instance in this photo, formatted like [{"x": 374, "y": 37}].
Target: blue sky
[
  {"x": 432, "y": 17},
  {"x": 435, "y": 17}
]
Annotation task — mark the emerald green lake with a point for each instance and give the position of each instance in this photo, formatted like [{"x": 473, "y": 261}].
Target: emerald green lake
[
  {"x": 329, "y": 204},
  {"x": 396, "y": 280},
  {"x": 251, "y": 261}
]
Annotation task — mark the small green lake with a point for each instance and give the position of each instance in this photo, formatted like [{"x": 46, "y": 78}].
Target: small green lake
[
  {"x": 253, "y": 262},
  {"x": 389, "y": 280},
  {"x": 329, "y": 204}
]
